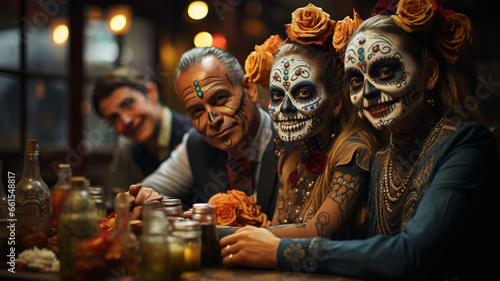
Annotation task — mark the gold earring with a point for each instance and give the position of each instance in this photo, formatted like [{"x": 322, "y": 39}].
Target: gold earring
[
  {"x": 430, "y": 101},
  {"x": 360, "y": 114}
]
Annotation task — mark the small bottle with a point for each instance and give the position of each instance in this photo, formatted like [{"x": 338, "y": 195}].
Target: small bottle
[
  {"x": 60, "y": 190},
  {"x": 77, "y": 222},
  {"x": 4, "y": 216},
  {"x": 124, "y": 251},
  {"x": 155, "y": 257},
  {"x": 32, "y": 198},
  {"x": 97, "y": 194},
  {"x": 210, "y": 252},
  {"x": 190, "y": 232},
  {"x": 172, "y": 207}
]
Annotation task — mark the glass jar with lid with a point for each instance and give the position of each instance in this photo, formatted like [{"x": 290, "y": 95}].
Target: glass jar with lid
[
  {"x": 172, "y": 207},
  {"x": 97, "y": 194},
  {"x": 190, "y": 232},
  {"x": 210, "y": 252}
]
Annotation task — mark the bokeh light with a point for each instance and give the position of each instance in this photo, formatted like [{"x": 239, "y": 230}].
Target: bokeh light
[
  {"x": 60, "y": 34},
  {"x": 117, "y": 23},
  {"x": 197, "y": 10},
  {"x": 203, "y": 39}
]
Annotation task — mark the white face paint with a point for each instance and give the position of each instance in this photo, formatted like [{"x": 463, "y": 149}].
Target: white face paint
[
  {"x": 298, "y": 101},
  {"x": 383, "y": 79}
]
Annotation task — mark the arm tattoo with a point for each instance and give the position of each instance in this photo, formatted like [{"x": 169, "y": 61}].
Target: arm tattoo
[{"x": 343, "y": 189}]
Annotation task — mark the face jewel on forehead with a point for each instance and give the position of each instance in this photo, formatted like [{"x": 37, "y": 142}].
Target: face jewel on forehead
[
  {"x": 286, "y": 84},
  {"x": 198, "y": 89}
]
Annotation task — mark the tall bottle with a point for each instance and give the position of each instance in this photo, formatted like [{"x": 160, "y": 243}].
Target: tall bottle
[
  {"x": 32, "y": 198},
  {"x": 210, "y": 252},
  {"x": 77, "y": 222},
  {"x": 124, "y": 253},
  {"x": 4, "y": 215},
  {"x": 60, "y": 190}
]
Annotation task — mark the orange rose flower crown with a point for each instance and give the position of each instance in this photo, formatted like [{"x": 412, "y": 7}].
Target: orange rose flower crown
[
  {"x": 451, "y": 31},
  {"x": 235, "y": 208},
  {"x": 310, "y": 25}
]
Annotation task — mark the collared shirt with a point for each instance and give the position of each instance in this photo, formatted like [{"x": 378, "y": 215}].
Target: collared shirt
[
  {"x": 174, "y": 177},
  {"x": 124, "y": 170},
  {"x": 164, "y": 134}
]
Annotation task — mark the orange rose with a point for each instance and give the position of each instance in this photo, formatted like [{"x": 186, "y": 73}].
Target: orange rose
[
  {"x": 237, "y": 196},
  {"x": 258, "y": 66},
  {"x": 453, "y": 36},
  {"x": 225, "y": 215},
  {"x": 220, "y": 199},
  {"x": 343, "y": 31},
  {"x": 310, "y": 25},
  {"x": 272, "y": 44},
  {"x": 414, "y": 15}
]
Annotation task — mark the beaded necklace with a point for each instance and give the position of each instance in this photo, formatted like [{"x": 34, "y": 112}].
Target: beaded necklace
[{"x": 388, "y": 179}]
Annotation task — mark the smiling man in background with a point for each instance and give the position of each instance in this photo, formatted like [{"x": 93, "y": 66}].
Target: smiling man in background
[{"x": 148, "y": 130}]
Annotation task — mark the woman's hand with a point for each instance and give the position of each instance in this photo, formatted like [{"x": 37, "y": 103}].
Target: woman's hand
[
  {"x": 137, "y": 196},
  {"x": 250, "y": 246}
]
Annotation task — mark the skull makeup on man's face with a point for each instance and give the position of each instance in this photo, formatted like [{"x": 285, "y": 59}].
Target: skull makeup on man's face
[
  {"x": 298, "y": 101},
  {"x": 383, "y": 79}
]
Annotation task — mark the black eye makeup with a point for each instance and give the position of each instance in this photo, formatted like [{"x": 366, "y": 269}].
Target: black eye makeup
[
  {"x": 355, "y": 79},
  {"x": 387, "y": 71},
  {"x": 304, "y": 91},
  {"x": 277, "y": 95}
]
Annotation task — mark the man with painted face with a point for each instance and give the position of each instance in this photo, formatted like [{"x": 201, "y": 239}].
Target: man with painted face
[
  {"x": 148, "y": 130},
  {"x": 434, "y": 188},
  {"x": 230, "y": 129}
]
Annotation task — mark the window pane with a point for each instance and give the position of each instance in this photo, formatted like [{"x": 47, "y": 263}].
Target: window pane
[
  {"x": 47, "y": 111},
  {"x": 100, "y": 48},
  {"x": 96, "y": 130},
  {"x": 10, "y": 35},
  {"x": 138, "y": 46},
  {"x": 10, "y": 113},
  {"x": 43, "y": 20}
]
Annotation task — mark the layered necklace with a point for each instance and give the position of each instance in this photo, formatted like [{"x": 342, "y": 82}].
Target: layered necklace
[{"x": 392, "y": 192}]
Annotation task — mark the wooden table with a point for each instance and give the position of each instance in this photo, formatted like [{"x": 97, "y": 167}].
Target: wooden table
[{"x": 206, "y": 274}]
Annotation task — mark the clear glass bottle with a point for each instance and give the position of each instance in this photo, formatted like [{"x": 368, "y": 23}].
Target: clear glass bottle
[
  {"x": 60, "y": 190},
  {"x": 32, "y": 198},
  {"x": 97, "y": 194},
  {"x": 210, "y": 252},
  {"x": 190, "y": 232},
  {"x": 4, "y": 216},
  {"x": 155, "y": 257},
  {"x": 77, "y": 222},
  {"x": 124, "y": 252}
]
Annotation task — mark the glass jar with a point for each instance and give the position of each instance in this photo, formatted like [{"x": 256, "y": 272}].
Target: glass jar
[
  {"x": 60, "y": 190},
  {"x": 176, "y": 251},
  {"x": 190, "y": 232},
  {"x": 210, "y": 252},
  {"x": 97, "y": 193},
  {"x": 155, "y": 257},
  {"x": 172, "y": 207}
]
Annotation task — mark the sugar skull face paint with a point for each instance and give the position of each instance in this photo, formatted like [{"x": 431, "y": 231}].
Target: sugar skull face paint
[
  {"x": 298, "y": 101},
  {"x": 383, "y": 79}
]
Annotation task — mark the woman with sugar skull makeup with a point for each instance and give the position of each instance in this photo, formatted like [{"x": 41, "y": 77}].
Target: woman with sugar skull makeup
[
  {"x": 325, "y": 175},
  {"x": 434, "y": 188}
]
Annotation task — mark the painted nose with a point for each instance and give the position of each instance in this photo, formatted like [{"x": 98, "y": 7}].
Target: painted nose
[
  {"x": 287, "y": 106},
  {"x": 212, "y": 116},
  {"x": 369, "y": 91}
]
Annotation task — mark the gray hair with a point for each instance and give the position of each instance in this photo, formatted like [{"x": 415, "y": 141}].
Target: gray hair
[{"x": 195, "y": 55}]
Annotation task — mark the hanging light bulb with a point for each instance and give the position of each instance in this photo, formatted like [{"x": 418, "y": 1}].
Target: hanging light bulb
[
  {"x": 203, "y": 39},
  {"x": 197, "y": 10},
  {"x": 119, "y": 18}
]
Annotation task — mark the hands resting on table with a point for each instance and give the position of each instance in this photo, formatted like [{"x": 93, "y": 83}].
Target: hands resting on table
[{"x": 248, "y": 246}]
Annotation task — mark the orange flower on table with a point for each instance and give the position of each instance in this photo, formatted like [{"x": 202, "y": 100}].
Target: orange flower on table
[
  {"x": 235, "y": 208},
  {"x": 415, "y": 15},
  {"x": 343, "y": 31},
  {"x": 453, "y": 36},
  {"x": 258, "y": 63},
  {"x": 310, "y": 25}
]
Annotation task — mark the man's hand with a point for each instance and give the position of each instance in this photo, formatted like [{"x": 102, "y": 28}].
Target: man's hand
[
  {"x": 250, "y": 246},
  {"x": 137, "y": 196}
]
